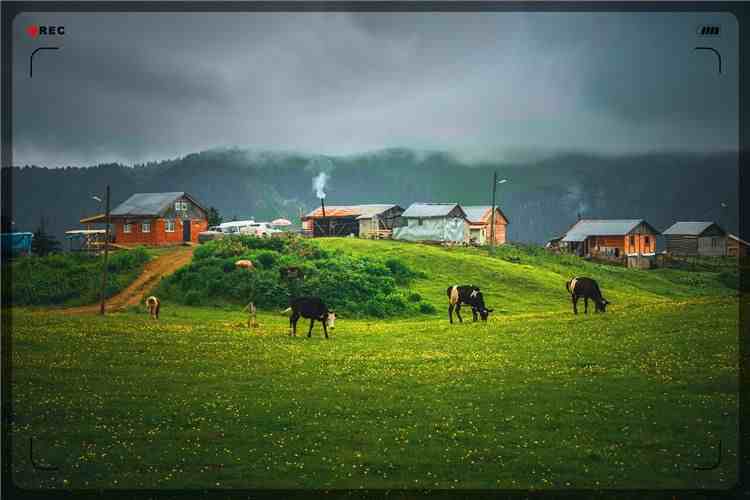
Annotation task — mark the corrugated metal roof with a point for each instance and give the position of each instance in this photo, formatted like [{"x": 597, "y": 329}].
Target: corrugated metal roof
[
  {"x": 369, "y": 211},
  {"x": 602, "y": 227},
  {"x": 688, "y": 228},
  {"x": 365, "y": 211},
  {"x": 429, "y": 209},
  {"x": 146, "y": 203},
  {"x": 476, "y": 213},
  {"x": 336, "y": 211}
]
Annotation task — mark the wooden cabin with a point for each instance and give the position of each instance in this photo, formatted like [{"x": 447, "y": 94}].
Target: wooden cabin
[
  {"x": 736, "y": 246},
  {"x": 434, "y": 222},
  {"x": 611, "y": 238},
  {"x": 480, "y": 224},
  {"x": 378, "y": 221},
  {"x": 155, "y": 219},
  {"x": 696, "y": 238},
  {"x": 367, "y": 220}
]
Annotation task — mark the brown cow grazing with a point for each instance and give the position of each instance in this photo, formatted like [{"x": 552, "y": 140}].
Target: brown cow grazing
[
  {"x": 588, "y": 289},
  {"x": 153, "y": 306},
  {"x": 244, "y": 264}
]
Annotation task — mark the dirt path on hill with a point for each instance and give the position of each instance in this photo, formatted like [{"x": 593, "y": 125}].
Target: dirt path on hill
[{"x": 153, "y": 271}]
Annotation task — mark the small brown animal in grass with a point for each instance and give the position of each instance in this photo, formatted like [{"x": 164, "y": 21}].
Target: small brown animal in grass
[
  {"x": 153, "y": 306},
  {"x": 251, "y": 322}
]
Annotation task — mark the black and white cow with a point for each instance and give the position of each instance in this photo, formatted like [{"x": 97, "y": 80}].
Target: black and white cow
[
  {"x": 469, "y": 295},
  {"x": 588, "y": 289},
  {"x": 313, "y": 309}
]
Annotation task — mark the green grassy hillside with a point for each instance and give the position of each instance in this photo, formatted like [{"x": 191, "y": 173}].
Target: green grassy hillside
[{"x": 520, "y": 280}]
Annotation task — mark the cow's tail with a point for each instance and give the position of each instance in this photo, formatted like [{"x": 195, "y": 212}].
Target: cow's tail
[
  {"x": 454, "y": 295},
  {"x": 287, "y": 310}
]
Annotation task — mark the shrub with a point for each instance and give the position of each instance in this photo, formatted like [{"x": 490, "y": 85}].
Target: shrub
[
  {"x": 70, "y": 278},
  {"x": 266, "y": 259},
  {"x": 351, "y": 284},
  {"x": 193, "y": 298},
  {"x": 427, "y": 308},
  {"x": 414, "y": 297}
]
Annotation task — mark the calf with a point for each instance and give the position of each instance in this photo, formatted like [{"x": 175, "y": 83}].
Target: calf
[
  {"x": 588, "y": 289},
  {"x": 313, "y": 309},
  {"x": 153, "y": 306},
  {"x": 466, "y": 294}
]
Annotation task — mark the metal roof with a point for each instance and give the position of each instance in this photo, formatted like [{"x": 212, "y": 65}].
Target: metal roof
[
  {"x": 601, "y": 227},
  {"x": 147, "y": 203},
  {"x": 737, "y": 238},
  {"x": 360, "y": 211},
  {"x": 430, "y": 209},
  {"x": 369, "y": 211},
  {"x": 476, "y": 213},
  {"x": 689, "y": 228}
]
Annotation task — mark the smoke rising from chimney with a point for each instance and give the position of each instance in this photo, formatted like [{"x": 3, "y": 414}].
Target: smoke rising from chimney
[{"x": 319, "y": 184}]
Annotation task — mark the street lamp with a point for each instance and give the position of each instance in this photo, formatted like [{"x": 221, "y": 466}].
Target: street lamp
[
  {"x": 106, "y": 252},
  {"x": 495, "y": 182}
]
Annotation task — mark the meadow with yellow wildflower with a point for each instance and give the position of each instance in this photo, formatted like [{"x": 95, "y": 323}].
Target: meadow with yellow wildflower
[{"x": 535, "y": 398}]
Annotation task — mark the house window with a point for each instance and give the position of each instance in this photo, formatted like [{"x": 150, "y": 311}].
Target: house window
[
  {"x": 127, "y": 228},
  {"x": 632, "y": 241},
  {"x": 169, "y": 225},
  {"x": 146, "y": 227},
  {"x": 181, "y": 206},
  {"x": 647, "y": 241}
]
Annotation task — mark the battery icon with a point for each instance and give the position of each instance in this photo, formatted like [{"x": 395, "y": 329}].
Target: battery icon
[{"x": 709, "y": 30}]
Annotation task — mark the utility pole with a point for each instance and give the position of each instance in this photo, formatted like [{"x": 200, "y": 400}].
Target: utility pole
[
  {"x": 492, "y": 216},
  {"x": 106, "y": 255}
]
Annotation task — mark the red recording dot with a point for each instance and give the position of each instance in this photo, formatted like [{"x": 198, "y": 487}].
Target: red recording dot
[{"x": 33, "y": 30}]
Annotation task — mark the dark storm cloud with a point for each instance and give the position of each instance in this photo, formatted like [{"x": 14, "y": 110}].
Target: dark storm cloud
[{"x": 136, "y": 87}]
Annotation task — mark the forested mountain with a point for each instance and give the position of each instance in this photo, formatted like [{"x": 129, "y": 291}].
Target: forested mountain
[{"x": 541, "y": 199}]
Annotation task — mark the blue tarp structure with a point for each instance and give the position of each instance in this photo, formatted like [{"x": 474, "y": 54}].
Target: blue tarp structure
[{"x": 16, "y": 243}]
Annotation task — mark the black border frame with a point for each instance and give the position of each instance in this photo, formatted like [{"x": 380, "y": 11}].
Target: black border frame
[{"x": 741, "y": 10}]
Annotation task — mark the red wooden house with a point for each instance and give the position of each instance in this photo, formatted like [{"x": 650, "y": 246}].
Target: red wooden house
[{"x": 155, "y": 219}]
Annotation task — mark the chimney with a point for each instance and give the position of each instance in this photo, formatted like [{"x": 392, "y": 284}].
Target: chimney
[{"x": 323, "y": 206}]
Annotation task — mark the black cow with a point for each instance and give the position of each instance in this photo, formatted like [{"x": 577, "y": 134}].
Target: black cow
[
  {"x": 588, "y": 289},
  {"x": 313, "y": 309},
  {"x": 466, "y": 294}
]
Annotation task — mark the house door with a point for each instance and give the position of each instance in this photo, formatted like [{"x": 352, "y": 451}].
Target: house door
[{"x": 186, "y": 230}]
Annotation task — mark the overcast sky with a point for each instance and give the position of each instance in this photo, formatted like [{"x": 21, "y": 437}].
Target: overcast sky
[{"x": 139, "y": 87}]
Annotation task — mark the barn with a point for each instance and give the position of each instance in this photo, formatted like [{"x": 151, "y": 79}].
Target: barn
[
  {"x": 696, "y": 238},
  {"x": 610, "y": 238},
  {"x": 156, "y": 219},
  {"x": 480, "y": 224},
  {"x": 367, "y": 220},
  {"x": 436, "y": 222}
]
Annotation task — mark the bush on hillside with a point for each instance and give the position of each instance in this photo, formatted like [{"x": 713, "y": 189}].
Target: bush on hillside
[
  {"x": 357, "y": 285},
  {"x": 70, "y": 278}
]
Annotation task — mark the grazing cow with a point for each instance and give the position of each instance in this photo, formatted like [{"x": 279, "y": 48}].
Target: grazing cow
[
  {"x": 588, "y": 289},
  {"x": 466, "y": 294},
  {"x": 313, "y": 309},
  {"x": 153, "y": 306}
]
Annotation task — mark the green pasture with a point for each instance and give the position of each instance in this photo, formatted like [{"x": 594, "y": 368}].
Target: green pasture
[{"x": 535, "y": 398}]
